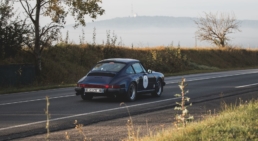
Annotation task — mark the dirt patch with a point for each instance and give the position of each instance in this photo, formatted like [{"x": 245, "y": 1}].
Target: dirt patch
[{"x": 144, "y": 124}]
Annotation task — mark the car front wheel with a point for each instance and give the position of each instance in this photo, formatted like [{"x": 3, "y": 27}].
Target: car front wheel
[
  {"x": 131, "y": 92},
  {"x": 158, "y": 89}
]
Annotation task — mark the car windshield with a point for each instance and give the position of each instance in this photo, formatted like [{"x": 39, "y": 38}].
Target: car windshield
[{"x": 109, "y": 66}]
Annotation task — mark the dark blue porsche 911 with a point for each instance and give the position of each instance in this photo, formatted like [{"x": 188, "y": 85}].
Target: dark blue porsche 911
[{"x": 120, "y": 77}]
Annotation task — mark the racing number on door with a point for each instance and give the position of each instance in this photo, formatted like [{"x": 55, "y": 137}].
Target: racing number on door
[
  {"x": 145, "y": 81},
  {"x": 143, "y": 78}
]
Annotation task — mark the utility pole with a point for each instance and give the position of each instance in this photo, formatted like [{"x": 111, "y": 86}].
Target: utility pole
[{"x": 132, "y": 10}]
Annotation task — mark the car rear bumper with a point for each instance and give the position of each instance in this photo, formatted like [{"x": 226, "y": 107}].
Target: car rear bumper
[
  {"x": 108, "y": 91},
  {"x": 79, "y": 90}
]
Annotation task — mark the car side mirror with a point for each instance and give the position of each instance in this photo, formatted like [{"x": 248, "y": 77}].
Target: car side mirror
[{"x": 149, "y": 71}]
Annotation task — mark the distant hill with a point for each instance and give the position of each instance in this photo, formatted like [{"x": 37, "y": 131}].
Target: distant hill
[
  {"x": 157, "y": 21},
  {"x": 158, "y": 30},
  {"x": 146, "y": 22}
]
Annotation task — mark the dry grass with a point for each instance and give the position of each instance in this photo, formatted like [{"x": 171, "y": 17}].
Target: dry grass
[{"x": 235, "y": 123}]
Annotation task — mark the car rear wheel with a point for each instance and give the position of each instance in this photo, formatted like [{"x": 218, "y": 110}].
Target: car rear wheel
[
  {"x": 131, "y": 92},
  {"x": 86, "y": 96},
  {"x": 158, "y": 89}
]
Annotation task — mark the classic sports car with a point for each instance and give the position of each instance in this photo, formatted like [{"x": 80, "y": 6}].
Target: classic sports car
[{"x": 120, "y": 77}]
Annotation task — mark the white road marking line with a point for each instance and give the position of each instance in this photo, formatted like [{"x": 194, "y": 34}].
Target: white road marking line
[
  {"x": 246, "y": 85},
  {"x": 25, "y": 101},
  {"x": 84, "y": 114},
  {"x": 172, "y": 82}
]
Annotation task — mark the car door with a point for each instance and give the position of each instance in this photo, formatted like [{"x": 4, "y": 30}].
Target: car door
[{"x": 144, "y": 79}]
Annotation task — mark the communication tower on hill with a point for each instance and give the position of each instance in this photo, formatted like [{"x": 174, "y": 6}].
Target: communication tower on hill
[{"x": 133, "y": 14}]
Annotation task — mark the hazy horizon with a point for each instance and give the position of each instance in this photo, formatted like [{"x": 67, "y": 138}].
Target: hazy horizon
[{"x": 150, "y": 36}]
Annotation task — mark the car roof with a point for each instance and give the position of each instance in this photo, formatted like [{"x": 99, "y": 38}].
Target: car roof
[{"x": 122, "y": 60}]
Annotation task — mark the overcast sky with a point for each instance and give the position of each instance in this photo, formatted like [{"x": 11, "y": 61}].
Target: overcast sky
[{"x": 243, "y": 9}]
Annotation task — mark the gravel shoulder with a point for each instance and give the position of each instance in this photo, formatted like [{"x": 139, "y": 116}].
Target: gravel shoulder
[{"x": 144, "y": 124}]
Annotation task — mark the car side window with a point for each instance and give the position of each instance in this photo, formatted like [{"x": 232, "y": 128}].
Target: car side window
[
  {"x": 129, "y": 70},
  {"x": 143, "y": 69},
  {"x": 138, "y": 68}
]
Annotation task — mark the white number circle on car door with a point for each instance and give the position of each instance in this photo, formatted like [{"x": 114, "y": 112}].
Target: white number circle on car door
[{"x": 145, "y": 81}]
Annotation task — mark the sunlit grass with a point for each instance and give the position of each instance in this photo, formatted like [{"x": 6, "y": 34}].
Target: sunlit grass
[{"x": 235, "y": 123}]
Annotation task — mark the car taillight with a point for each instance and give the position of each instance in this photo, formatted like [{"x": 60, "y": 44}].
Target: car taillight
[
  {"x": 81, "y": 85},
  {"x": 97, "y": 86},
  {"x": 114, "y": 86}
]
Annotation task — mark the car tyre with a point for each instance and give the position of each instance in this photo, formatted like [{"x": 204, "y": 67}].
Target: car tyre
[
  {"x": 86, "y": 96},
  {"x": 158, "y": 89},
  {"x": 131, "y": 92}
]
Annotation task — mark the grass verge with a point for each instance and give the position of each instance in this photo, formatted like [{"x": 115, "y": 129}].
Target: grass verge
[
  {"x": 9, "y": 90},
  {"x": 235, "y": 123},
  {"x": 205, "y": 71}
]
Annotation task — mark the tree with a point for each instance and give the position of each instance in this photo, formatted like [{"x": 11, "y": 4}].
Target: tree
[
  {"x": 215, "y": 28},
  {"x": 57, "y": 11},
  {"x": 12, "y": 31}
]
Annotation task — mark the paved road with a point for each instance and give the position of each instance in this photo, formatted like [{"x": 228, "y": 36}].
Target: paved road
[{"x": 22, "y": 114}]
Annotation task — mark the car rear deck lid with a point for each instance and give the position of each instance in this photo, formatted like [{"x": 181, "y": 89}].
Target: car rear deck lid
[{"x": 110, "y": 74}]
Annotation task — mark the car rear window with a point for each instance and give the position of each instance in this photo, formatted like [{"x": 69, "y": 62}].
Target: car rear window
[{"x": 109, "y": 66}]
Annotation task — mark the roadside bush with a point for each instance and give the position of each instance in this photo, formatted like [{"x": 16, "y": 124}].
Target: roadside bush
[{"x": 222, "y": 58}]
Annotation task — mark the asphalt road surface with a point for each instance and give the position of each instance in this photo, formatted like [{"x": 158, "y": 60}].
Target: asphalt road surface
[{"x": 23, "y": 114}]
